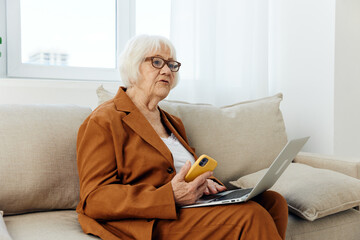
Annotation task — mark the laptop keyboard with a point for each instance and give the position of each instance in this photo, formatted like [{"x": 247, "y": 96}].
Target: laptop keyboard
[{"x": 235, "y": 194}]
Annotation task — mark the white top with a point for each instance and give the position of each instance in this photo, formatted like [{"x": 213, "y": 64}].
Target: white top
[{"x": 179, "y": 152}]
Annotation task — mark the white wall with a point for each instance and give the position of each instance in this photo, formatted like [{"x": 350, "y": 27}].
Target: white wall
[
  {"x": 301, "y": 67},
  {"x": 315, "y": 62},
  {"x": 347, "y": 78}
]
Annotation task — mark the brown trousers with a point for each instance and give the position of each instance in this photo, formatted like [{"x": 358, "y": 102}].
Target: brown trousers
[{"x": 265, "y": 217}]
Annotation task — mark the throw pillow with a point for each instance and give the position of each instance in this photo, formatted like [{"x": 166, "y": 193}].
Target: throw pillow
[
  {"x": 311, "y": 193},
  {"x": 103, "y": 94},
  {"x": 244, "y": 137},
  {"x": 4, "y": 235}
]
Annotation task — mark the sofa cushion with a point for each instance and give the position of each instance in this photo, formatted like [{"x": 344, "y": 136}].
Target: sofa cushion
[
  {"x": 244, "y": 137},
  {"x": 311, "y": 193},
  {"x": 52, "y": 225},
  {"x": 38, "y": 157},
  {"x": 4, "y": 235},
  {"x": 103, "y": 94}
]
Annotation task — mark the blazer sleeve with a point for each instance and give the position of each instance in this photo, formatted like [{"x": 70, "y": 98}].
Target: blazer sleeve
[{"x": 102, "y": 196}]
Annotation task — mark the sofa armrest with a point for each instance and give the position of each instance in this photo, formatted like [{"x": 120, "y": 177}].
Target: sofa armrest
[{"x": 350, "y": 167}]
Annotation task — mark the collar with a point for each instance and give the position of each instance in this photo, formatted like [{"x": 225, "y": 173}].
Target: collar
[{"x": 123, "y": 102}]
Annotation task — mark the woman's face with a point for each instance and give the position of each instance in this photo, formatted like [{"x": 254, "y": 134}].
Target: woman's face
[{"x": 156, "y": 82}]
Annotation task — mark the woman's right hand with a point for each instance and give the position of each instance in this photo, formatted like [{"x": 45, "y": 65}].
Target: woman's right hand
[{"x": 188, "y": 192}]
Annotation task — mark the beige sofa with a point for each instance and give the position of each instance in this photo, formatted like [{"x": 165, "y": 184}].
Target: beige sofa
[{"x": 39, "y": 184}]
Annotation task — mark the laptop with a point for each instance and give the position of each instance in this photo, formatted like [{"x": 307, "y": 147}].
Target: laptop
[{"x": 282, "y": 161}]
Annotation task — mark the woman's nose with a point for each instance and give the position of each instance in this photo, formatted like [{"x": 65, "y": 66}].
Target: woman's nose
[{"x": 165, "y": 70}]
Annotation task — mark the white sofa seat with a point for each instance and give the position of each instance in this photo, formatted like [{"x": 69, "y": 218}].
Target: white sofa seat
[
  {"x": 52, "y": 225},
  {"x": 63, "y": 225},
  {"x": 339, "y": 226}
]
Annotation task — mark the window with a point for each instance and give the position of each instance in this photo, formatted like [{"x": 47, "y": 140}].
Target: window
[
  {"x": 67, "y": 39},
  {"x": 67, "y": 33}
]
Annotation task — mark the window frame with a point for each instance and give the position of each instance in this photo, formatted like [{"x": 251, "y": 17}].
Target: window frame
[{"x": 125, "y": 28}]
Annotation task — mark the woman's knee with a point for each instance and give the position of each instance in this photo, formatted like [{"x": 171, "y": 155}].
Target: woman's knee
[{"x": 276, "y": 199}]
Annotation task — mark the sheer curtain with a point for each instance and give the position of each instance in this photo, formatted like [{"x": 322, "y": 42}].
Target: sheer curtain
[{"x": 223, "y": 48}]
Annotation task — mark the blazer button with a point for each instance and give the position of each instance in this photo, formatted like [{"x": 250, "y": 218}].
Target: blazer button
[{"x": 170, "y": 170}]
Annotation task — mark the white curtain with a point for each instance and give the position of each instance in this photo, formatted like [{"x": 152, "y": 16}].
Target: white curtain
[{"x": 223, "y": 48}]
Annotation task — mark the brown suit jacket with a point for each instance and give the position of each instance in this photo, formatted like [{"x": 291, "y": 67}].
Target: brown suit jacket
[{"x": 125, "y": 171}]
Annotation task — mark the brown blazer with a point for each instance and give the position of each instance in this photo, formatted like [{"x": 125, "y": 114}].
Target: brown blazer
[{"x": 125, "y": 171}]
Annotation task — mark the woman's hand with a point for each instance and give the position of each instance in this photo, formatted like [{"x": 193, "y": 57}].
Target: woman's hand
[
  {"x": 188, "y": 193},
  {"x": 213, "y": 187}
]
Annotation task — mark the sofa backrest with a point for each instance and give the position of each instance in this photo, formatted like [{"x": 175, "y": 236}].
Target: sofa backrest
[
  {"x": 38, "y": 157},
  {"x": 38, "y": 146}
]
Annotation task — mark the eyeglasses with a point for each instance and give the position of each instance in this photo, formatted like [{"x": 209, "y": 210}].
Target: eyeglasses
[{"x": 159, "y": 63}]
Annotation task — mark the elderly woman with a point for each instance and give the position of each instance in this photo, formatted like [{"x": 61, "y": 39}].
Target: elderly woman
[{"x": 133, "y": 157}]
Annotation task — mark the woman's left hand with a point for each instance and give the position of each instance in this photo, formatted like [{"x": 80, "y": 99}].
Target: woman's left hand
[{"x": 213, "y": 187}]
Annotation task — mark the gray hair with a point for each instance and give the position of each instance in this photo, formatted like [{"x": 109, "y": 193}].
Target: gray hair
[{"x": 134, "y": 54}]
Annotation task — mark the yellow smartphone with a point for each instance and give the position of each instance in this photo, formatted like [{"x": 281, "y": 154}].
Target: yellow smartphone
[{"x": 203, "y": 164}]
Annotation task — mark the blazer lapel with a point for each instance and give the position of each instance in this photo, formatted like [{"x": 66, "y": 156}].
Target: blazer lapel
[{"x": 139, "y": 124}]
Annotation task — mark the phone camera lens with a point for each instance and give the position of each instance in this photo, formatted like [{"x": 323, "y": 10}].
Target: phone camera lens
[{"x": 203, "y": 162}]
